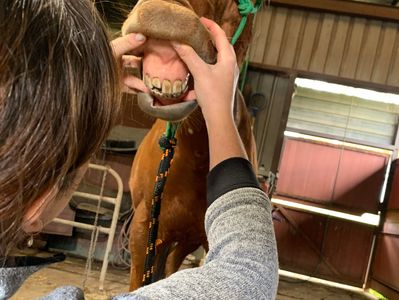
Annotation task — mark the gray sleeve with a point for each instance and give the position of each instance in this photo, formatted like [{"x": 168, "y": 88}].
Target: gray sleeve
[{"x": 242, "y": 260}]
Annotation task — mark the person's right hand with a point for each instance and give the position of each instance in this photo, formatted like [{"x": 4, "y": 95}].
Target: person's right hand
[{"x": 214, "y": 85}]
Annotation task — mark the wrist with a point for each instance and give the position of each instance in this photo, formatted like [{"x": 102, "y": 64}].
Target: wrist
[{"x": 216, "y": 118}]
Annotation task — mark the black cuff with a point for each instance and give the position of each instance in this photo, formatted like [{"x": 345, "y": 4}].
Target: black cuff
[{"x": 230, "y": 174}]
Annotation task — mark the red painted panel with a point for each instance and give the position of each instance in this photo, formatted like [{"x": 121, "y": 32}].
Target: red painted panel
[
  {"x": 359, "y": 181},
  {"x": 307, "y": 170},
  {"x": 344, "y": 246},
  {"x": 332, "y": 175},
  {"x": 386, "y": 261}
]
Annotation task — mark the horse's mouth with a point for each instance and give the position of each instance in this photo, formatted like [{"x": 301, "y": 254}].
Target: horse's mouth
[
  {"x": 169, "y": 84},
  {"x": 167, "y": 92},
  {"x": 170, "y": 92},
  {"x": 166, "y": 100}
]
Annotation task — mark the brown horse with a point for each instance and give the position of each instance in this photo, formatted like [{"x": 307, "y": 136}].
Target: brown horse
[{"x": 181, "y": 221}]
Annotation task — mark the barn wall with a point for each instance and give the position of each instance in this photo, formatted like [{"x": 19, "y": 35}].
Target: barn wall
[
  {"x": 270, "y": 122},
  {"x": 353, "y": 48}
]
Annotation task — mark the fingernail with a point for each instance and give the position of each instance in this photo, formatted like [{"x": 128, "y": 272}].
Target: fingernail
[
  {"x": 139, "y": 37},
  {"x": 176, "y": 44}
]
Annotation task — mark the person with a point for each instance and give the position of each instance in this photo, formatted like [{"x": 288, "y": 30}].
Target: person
[{"x": 59, "y": 97}]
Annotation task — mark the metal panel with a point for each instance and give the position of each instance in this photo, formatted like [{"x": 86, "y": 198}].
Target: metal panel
[
  {"x": 270, "y": 122},
  {"x": 322, "y": 247},
  {"x": 339, "y": 177},
  {"x": 341, "y": 46}
]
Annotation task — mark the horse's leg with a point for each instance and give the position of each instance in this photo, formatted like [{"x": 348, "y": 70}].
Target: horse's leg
[
  {"x": 137, "y": 242},
  {"x": 176, "y": 257}
]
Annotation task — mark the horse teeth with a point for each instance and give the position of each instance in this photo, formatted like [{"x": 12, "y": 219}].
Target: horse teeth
[
  {"x": 156, "y": 83},
  {"x": 147, "y": 81},
  {"x": 177, "y": 87},
  {"x": 166, "y": 87}
]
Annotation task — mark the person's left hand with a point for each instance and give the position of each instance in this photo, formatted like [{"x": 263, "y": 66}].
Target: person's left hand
[{"x": 126, "y": 49}]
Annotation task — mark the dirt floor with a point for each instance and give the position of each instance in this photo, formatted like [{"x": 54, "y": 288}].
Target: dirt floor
[{"x": 71, "y": 272}]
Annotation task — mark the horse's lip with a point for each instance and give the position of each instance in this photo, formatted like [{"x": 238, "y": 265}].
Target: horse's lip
[{"x": 171, "y": 112}]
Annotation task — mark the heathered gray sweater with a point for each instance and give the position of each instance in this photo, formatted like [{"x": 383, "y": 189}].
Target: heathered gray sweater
[{"x": 242, "y": 258}]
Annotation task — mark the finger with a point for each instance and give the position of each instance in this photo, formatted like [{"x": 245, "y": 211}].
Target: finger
[
  {"x": 131, "y": 61},
  {"x": 135, "y": 84},
  {"x": 187, "y": 54},
  {"x": 127, "y": 44},
  {"x": 222, "y": 44}
]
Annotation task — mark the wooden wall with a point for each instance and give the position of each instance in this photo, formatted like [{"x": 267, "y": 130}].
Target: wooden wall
[
  {"x": 302, "y": 41},
  {"x": 271, "y": 121}
]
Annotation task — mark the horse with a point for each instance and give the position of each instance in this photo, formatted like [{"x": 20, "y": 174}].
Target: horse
[{"x": 181, "y": 221}]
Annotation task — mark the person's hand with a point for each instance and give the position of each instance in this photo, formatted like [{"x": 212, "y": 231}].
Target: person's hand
[
  {"x": 214, "y": 85},
  {"x": 125, "y": 50}
]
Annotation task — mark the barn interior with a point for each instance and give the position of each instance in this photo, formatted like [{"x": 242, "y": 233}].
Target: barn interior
[{"x": 321, "y": 83}]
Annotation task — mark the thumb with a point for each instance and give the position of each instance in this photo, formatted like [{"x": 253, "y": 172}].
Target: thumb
[
  {"x": 187, "y": 54},
  {"x": 127, "y": 44}
]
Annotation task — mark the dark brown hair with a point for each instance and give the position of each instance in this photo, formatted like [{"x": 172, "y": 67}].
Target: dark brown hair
[{"x": 59, "y": 95}]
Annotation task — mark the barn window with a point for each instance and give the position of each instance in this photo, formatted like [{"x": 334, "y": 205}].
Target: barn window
[{"x": 344, "y": 113}]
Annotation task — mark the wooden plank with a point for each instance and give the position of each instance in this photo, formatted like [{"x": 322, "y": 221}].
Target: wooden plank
[
  {"x": 301, "y": 34},
  {"x": 368, "y": 50},
  {"x": 345, "y": 7},
  {"x": 292, "y": 39},
  {"x": 319, "y": 56},
  {"x": 351, "y": 57},
  {"x": 270, "y": 122},
  {"x": 275, "y": 39},
  {"x": 382, "y": 62},
  {"x": 309, "y": 40},
  {"x": 338, "y": 44},
  {"x": 264, "y": 85},
  {"x": 260, "y": 35},
  {"x": 393, "y": 76},
  {"x": 384, "y": 88}
]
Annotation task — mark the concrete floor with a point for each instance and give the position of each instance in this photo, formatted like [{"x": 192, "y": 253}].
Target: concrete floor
[{"x": 71, "y": 272}]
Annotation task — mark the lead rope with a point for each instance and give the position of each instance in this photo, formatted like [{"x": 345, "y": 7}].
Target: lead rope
[
  {"x": 246, "y": 7},
  {"x": 167, "y": 142}
]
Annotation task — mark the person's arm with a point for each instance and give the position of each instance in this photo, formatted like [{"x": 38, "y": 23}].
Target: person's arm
[{"x": 242, "y": 258}]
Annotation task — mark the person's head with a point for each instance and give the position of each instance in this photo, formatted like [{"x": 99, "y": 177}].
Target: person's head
[{"x": 59, "y": 95}]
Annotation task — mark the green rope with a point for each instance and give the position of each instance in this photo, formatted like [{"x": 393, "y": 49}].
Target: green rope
[
  {"x": 171, "y": 129},
  {"x": 246, "y": 7}
]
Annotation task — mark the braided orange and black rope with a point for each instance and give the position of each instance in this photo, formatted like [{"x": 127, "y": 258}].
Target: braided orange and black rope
[{"x": 168, "y": 145}]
